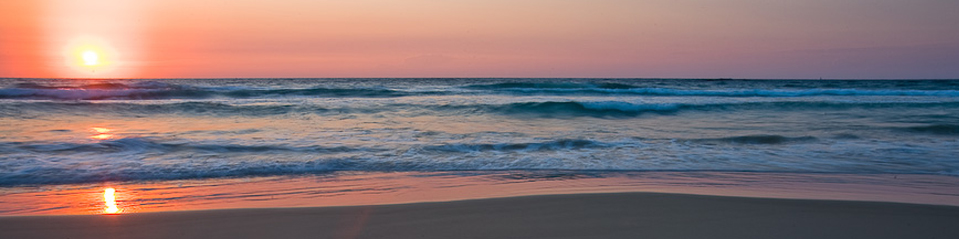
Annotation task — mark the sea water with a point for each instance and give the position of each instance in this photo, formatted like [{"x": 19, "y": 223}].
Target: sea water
[{"x": 73, "y": 131}]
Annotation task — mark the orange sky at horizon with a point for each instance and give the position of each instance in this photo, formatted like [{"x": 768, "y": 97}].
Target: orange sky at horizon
[{"x": 473, "y": 38}]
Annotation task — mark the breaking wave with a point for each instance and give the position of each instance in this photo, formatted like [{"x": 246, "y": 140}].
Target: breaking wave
[{"x": 545, "y": 109}]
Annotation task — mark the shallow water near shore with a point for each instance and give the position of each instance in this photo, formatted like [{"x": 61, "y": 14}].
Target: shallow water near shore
[{"x": 365, "y": 188}]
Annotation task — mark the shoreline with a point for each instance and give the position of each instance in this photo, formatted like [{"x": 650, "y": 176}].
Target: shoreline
[
  {"x": 589, "y": 215},
  {"x": 364, "y": 189}
]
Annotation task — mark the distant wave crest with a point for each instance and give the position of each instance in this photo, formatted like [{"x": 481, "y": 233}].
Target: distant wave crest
[
  {"x": 152, "y": 90},
  {"x": 623, "y": 89}
]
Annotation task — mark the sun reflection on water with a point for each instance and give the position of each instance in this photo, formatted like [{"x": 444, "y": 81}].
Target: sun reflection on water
[
  {"x": 101, "y": 130},
  {"x": 101, "y": 133}
]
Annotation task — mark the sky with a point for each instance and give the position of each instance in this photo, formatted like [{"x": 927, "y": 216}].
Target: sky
[{"x": 771, "y": 39}]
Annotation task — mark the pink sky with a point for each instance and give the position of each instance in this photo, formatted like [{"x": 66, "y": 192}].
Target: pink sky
[{"x": 482, "y": 38}]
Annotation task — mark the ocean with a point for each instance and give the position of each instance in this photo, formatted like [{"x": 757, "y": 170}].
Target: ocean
[{"x": 61, "y": 132}]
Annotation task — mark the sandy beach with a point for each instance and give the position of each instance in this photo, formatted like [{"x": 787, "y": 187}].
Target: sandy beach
[{"x": 615, "y": 215}]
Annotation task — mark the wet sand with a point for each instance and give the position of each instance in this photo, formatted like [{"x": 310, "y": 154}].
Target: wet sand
[{"x": 612, "y": 215}]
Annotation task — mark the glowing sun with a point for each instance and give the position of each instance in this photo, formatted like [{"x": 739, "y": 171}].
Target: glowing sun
[{"x": 90, "y": 58}]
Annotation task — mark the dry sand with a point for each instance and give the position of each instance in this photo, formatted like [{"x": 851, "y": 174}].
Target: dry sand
[{"x": 617, "y": 215}]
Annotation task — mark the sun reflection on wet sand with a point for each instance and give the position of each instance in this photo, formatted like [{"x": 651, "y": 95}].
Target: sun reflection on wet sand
[{"x": 109, "y": 200}]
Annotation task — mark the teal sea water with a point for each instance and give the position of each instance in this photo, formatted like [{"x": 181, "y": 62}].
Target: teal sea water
[{"x": 55, "y": 131}]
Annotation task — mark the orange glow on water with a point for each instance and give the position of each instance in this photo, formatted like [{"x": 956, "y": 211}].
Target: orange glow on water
[{"x": 109, "y": 200}]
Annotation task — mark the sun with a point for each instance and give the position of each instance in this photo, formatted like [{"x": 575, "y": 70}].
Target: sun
[{"x": 90, "y": 58}]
